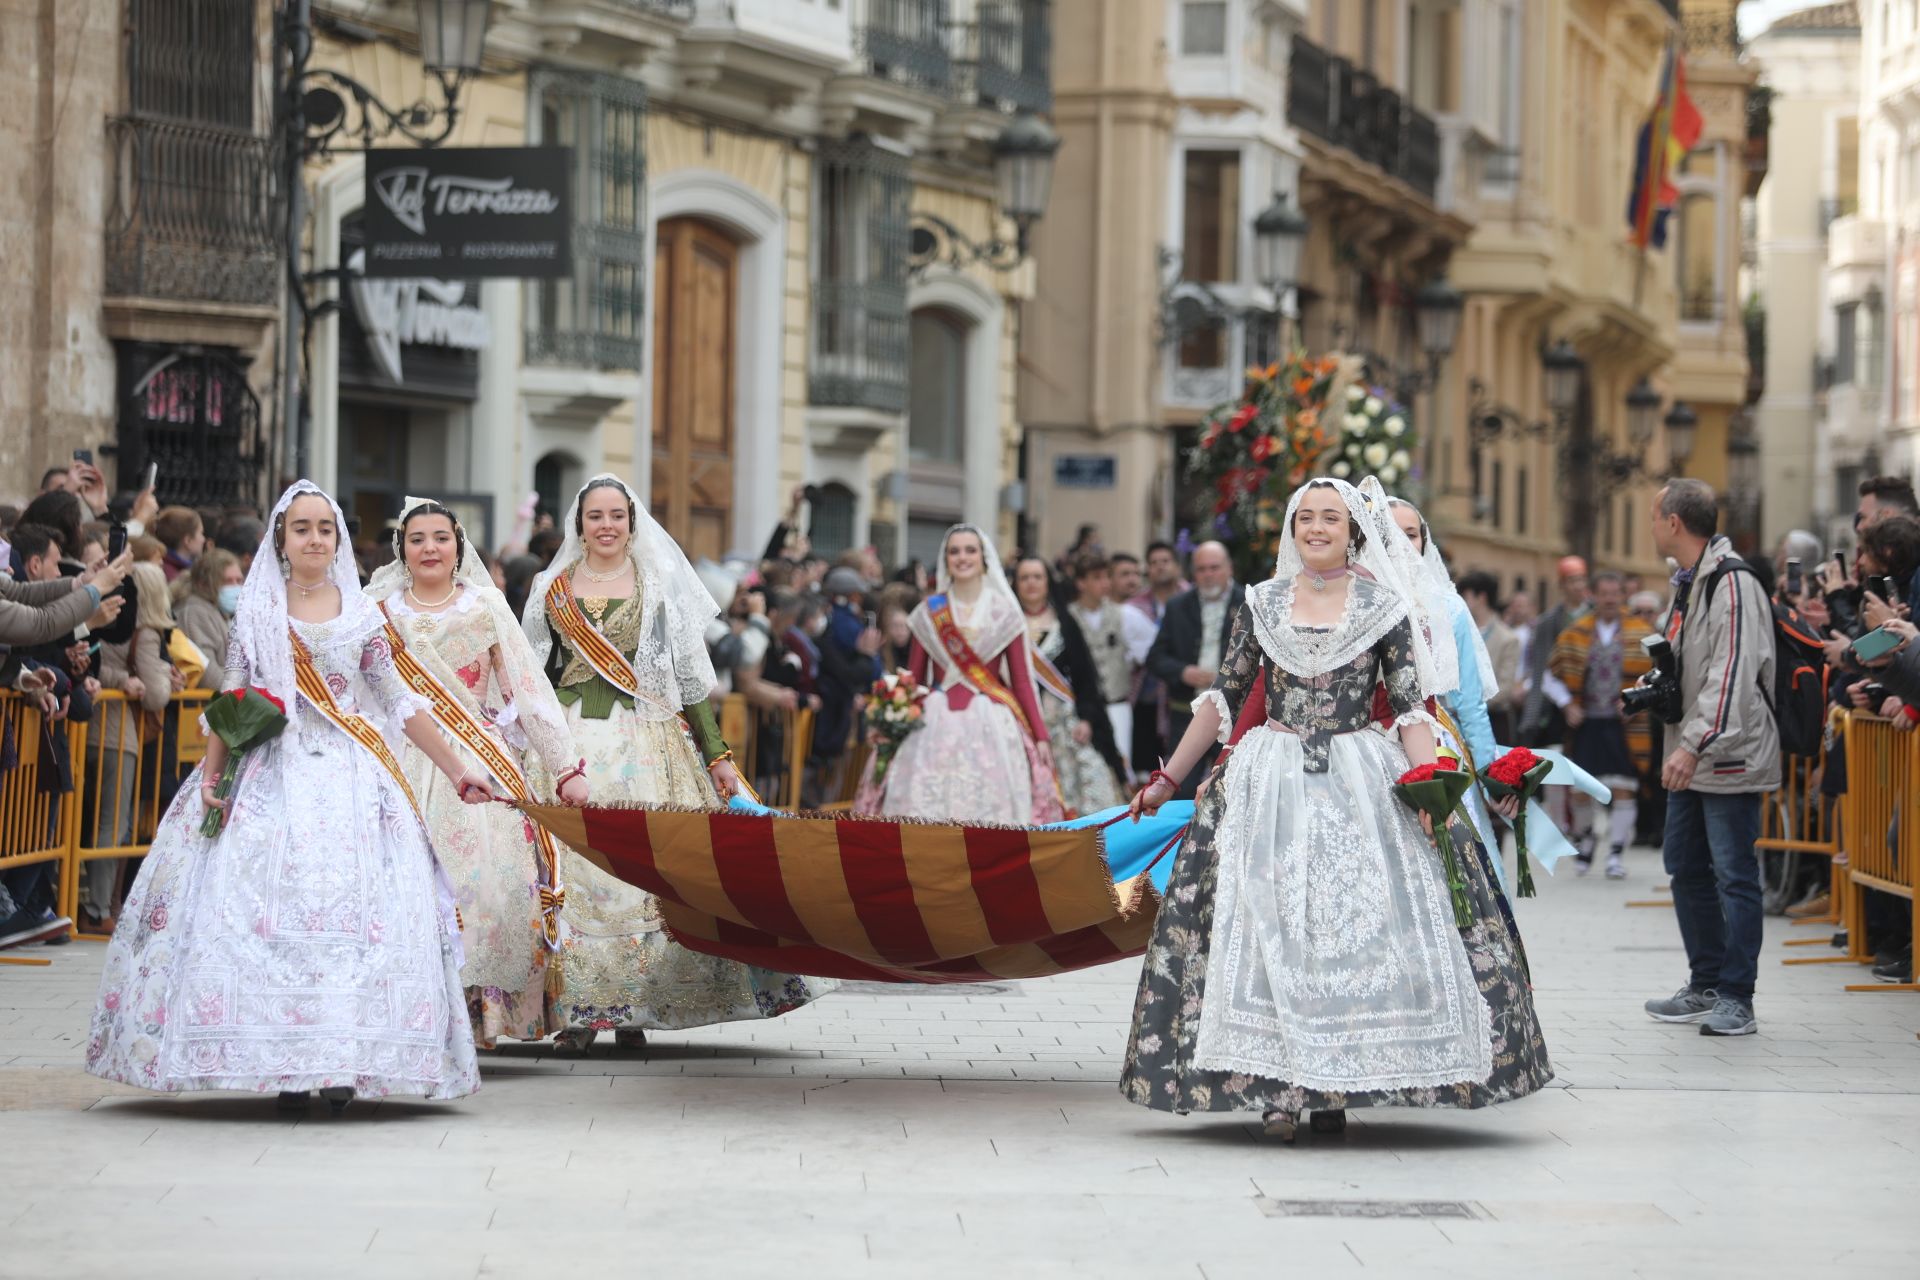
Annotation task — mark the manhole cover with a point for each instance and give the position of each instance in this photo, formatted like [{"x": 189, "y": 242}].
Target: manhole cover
[
  {"x": 924, "y": 990},
  {"x": 1368, "y": 1208}
]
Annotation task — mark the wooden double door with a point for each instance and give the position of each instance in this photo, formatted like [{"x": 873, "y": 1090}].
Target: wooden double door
[{"x": 696, "y": 269}]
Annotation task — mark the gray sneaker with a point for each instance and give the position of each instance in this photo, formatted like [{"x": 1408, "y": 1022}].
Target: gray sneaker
[
  {"x": 1731, "y": 1016},
  {"x": 1684, "y": 1005}
]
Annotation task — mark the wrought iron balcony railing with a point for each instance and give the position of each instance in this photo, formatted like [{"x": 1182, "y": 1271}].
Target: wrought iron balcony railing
[
  {"x": 905, "y": 41},
  {"x": 860, "y": 345},
  {"x": 682, "y": 9},
  {"x": 1003, "y": 58},
  {"x": 1339, "y": 103},
  {"x": 195, "y": 213}
]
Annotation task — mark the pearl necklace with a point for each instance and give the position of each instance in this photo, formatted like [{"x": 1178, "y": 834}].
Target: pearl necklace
[
  {"x": 441, "y": 603},
  {"x": 612, "y": 576}
]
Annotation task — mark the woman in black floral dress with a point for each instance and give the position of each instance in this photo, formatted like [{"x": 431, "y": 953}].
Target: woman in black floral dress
[{"x": 1306, "y": 957}]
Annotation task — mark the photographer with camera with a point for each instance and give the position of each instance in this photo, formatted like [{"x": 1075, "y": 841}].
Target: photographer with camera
[{"x": 1713, "y": 682}]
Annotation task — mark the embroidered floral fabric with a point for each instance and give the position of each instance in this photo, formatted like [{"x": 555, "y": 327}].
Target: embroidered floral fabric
[
  {"x": 312, "y": 943},
  {"x": 1306, "y": 954}
]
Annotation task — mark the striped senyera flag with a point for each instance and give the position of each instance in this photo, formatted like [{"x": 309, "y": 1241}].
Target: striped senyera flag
[{"x": 870, "y": 898}]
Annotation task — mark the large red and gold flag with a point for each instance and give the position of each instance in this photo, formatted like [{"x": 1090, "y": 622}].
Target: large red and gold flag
[{"x": 870, "y": 898}]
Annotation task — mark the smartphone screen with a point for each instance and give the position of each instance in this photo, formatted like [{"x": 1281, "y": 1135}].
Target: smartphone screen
[
  {"x": 872, "y": 621},
  {"x": 153, "y": 474},
  {"x": 116, "y": 541},
  {"x": 83, "y": 455},
  {"x": 1796, "y": 580},
  {"x": 1840, "y": 562}
]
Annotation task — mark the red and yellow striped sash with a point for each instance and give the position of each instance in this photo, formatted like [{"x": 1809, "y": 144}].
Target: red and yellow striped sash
[
  {"x": 564, "y": 611},
  {"x": 977, "y": 672},
  {"x": 313, "y": 687},
  {"x": 464, "y": 728}
]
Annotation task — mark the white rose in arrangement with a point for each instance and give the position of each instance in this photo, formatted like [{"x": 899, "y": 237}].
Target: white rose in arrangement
[
  {"x": 1373, "y": 406},
  {"x": 1396, "y": 426},
  {"x": 1355, "y": 395},
  {"x": 1356, "y": 424},
  {"x": 1376, "y": 455},
  {"x": 1341, "y": 470},
  {"x": 1400, "y": 459},
  {"x": 1388, "y": 475},
  {"x": 1354, "y": 450}
]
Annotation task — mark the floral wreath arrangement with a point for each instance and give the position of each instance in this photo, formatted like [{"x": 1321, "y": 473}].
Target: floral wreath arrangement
[{"x": 1375, "y": 440}]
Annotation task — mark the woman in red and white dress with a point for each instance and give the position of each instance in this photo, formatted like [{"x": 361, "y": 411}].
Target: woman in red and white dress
[{"x": 981, "y": 754}]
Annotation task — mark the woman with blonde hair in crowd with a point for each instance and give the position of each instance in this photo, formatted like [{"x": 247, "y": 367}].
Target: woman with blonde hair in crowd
[
  {"x": 139, "y": 670},
  {"x": 205, "y": 598}
]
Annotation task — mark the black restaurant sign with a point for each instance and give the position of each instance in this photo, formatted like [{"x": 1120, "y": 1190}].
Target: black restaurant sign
[{"x": 469, "y": 212}]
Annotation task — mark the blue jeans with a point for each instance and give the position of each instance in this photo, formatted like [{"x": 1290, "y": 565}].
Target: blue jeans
[{"x": 1716, "y": 886}]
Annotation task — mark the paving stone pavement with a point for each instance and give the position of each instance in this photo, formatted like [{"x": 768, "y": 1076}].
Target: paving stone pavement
[{"x": 950, "y": 1132}]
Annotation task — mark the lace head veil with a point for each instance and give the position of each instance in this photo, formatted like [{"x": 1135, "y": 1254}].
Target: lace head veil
[
  {"x": 993, "y": 576},
  {"x": 671, "y": 659},
  {"x": 260, "y": 623},
  {"x": 1442, "y": 601},
  {"x": 1387, "y": 561}
]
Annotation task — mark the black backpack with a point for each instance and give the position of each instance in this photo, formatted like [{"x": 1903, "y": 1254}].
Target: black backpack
[{"x": 1798, "y": 698}]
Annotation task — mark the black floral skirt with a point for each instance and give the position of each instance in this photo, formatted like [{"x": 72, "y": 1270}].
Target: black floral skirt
[{"x": 1160, "y": 1072}]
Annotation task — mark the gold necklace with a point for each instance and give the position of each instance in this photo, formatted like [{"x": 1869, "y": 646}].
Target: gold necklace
[{"x": 596, "y": 608}]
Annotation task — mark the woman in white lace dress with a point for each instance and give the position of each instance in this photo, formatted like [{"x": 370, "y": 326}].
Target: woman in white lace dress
[
  {"x": 1306, "y": 957},
  {"x": 618, "y": 622},
  {"x": 983, "y": 754},
  {"x": 493, "y": 702},
  {"x": 312, "y": 943}
]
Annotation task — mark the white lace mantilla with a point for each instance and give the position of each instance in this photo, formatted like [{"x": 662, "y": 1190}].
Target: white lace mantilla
[{"x": 1370, "y": 613}]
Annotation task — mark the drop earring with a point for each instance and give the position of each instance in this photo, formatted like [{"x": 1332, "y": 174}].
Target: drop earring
[
  {"x": 286, "y": 566},
  {"x": 1353, "y": 553}
]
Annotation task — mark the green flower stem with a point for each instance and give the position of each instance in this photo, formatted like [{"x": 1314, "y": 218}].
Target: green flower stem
[
  {"x": 1456, "y": 885},
  {"x": 216, "y": 819}
]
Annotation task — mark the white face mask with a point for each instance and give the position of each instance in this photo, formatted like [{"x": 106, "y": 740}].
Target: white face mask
[{"x": 817, "y": 627}]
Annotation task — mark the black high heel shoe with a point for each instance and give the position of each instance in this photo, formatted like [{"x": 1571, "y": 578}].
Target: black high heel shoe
[
  {"x": 293, "y": 1100},
  {"x": 1329, "y": 1122},
  {"x": 337, "y": 1098}
]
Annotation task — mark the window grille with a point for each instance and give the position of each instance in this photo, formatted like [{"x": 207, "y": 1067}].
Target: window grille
[
  {"x": 596, "y": 317},
  {"x": 861, "y": 223}
]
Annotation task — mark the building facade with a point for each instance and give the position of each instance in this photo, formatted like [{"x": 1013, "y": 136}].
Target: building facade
[
  {"x": 1519, "y": 483},
  {"x": 1809, "y": 63},
  {"x": 1181, "y": 121},
  {"x": 764, "y": 195}
]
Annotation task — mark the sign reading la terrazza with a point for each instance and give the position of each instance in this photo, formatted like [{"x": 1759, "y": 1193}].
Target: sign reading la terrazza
[{"x": 469, "y": 212}]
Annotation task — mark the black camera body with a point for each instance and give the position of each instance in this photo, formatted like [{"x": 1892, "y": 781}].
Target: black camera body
[{"x": 1659, "y": 690}]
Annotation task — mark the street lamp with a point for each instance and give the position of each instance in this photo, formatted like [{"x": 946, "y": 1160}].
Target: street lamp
[
  {"x": 1023, "y": 175},
  {"x": 1279, "y": 238},
  {"x": 1681, "y": 423},
  {"x": 1563, "y": 368},
  {"x": 1437, "y": 309},
  {"x": 314, "y": 118},
  {"x": 452, "y": 33},
  {"x": 1643, "y": 413}
]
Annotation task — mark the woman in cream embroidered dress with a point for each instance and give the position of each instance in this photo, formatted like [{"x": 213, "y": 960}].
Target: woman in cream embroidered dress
[
  {"x": 1086, "y": 759},
  {"x": 457, "y": 625},
  {"x": 619, "y": 970},
  {"x": 312, "y": 943},
  {"x": 973, "y": 759},
  {"x": 1306, "y": 956}
]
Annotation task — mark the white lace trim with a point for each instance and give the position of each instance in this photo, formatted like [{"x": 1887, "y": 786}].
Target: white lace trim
[
  {"x": 1371, "y": 612},
  {"x": 1219, "y": 702},
  {"x": 1416, "y": 716}
]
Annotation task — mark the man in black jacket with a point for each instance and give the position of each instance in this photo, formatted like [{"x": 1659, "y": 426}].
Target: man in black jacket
[{"x": 1186, "y": 655}]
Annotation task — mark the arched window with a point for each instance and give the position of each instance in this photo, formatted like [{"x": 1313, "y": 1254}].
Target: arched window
[
  {"x": 833, "y": 516},
  {"x": 555, "y": 478},
  {"x": 1697, "y": 248}
]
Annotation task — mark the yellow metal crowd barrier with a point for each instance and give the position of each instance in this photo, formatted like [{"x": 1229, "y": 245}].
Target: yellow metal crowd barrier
[{"x": 1872, "y": 834}]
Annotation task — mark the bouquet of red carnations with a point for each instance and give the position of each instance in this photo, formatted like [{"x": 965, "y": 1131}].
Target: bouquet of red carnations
[
  {"x": 893, "y": 711},
  {"x": 243, "y": 719},
  {"x": 1435, "y": 790},
  {"x": 1518, "y": 773}
]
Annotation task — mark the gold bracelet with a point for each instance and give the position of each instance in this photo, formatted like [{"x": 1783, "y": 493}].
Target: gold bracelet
[{"x": 725, "y": 757}]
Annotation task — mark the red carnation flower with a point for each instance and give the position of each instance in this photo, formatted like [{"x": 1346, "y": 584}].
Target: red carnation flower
[{"x": 1245, "y": 414}]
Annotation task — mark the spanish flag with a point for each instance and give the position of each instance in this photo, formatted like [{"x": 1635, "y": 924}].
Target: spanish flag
[{"x": 1669, "y": 133}]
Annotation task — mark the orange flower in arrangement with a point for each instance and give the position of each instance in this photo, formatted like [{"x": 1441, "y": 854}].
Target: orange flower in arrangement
[
  {"x": 1302, "y": 387},
  {"x": 1309, "y": 416}
]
